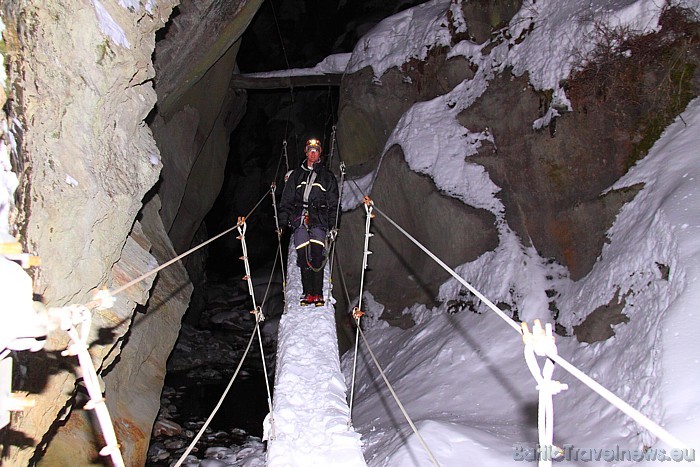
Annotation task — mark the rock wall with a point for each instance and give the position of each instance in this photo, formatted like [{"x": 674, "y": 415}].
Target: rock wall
[
  {"x": 132, "y": 388},
  {"x": 552, "y": 180},
  {"x": 81, "y": 90},
  {"x": 401, "y": 274}
]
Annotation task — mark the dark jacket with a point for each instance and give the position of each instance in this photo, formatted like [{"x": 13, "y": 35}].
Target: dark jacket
[{"x": 322, "y": 202}]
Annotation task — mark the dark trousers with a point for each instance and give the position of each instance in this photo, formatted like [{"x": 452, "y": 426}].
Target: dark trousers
[{"x": 310, "y": 246}]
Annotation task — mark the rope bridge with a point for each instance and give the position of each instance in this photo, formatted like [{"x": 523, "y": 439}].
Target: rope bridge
[{"x": 310, "y": 401}]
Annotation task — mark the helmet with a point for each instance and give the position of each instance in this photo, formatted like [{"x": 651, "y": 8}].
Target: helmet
[{"x": 313, "y": 143}]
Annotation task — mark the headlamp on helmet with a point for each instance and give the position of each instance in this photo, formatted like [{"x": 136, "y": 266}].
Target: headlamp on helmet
[{"x": 313, "y": 143}]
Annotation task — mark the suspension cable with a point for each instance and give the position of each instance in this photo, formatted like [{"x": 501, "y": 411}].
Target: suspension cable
[
  {"x": 486, "y": 301},
  {"x": 257, "y": 311},
  {"x": 278, "y": 231},
  {"x": 357, "y": 313},
  {"x": 332, "y": 153},
  {"x": 335, "y": 228},
  {"x": 258, "y": 319},
  {"x": 620, "y": 404},
  {"x": 396, "y": 398},
  {"x": 79, "y": 315},
  {"x": 218, "y": 405},
  {"x": 179, "y": 257}
]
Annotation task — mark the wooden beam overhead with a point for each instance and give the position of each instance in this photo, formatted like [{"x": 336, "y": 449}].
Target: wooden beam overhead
[{"x": 280, "y": 82}]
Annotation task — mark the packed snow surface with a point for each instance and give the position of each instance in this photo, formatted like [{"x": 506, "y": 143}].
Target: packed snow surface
[{"x": 310, "y": 417}]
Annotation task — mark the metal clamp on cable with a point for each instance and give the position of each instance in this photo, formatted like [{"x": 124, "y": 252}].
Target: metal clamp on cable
[{"x": 357, "y": 313}]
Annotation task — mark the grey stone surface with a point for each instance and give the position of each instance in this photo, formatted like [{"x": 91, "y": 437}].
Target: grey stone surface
[
  {"x": 370, "y": 109},
  {"x": 86, "y": 159},
  {"x": 195, "y": 40},
  {"x": 400, "y": 274}
]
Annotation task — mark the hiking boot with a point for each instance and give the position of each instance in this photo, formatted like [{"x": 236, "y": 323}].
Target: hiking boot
[
  {"x": 308, "y": 300},
  {"x": 319, "y": 300}
]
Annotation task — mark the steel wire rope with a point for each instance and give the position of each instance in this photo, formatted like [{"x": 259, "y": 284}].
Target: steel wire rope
[
  {"x": 396, "y": 398},
  {"x": 278, "y": 231},
  {"x": 606, "y": 394},
  {"x": 108, "y": 296},
  {"x": 218, "y": 405},
  {"x": 257, "y": 310},
  {"x": 179, "y": 257},
  {"x": 358, "y": 314},
  {"x": 240, "y": 364}
]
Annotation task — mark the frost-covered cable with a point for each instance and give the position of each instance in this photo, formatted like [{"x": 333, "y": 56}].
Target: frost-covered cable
[
  {"x": 218, "y": 405},
  {"x": 398, "y": 402},
  {"x": 273, "y": 187},
  {"x": 623, "y": 406},
  {"x": 257, "y": 311},
  {"x": 81, "y": 316},
  {"x": 179, "y": 257},
  {"x": 358, "y": 314}
]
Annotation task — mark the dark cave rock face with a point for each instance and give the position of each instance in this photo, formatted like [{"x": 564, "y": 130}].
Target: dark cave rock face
[
  {"x": 370, "y": 109},
  {"x": 551, "y": 186},
  {"x": 402, "y": 274}
]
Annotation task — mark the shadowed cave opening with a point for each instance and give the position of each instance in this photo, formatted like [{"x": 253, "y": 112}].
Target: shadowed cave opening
[{"x": 218, "y": 323}]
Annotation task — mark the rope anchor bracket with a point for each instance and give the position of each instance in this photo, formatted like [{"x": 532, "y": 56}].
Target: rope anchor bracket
[{"x": 357, "y": 313}]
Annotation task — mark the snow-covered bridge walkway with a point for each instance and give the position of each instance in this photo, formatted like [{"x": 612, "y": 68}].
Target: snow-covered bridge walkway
[{"x": 310, "y": 410}]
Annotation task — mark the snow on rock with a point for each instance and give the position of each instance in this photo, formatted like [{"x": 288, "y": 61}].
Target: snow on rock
[
  {"x": 333, "y": 64},
  {"x": 405, "y": 35},
  {"x": 310, "y": 413},
  {"x": 109, "y": 26}
]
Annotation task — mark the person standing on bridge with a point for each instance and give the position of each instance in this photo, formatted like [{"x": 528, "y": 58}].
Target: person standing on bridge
[{"x": 308, "y": 206}]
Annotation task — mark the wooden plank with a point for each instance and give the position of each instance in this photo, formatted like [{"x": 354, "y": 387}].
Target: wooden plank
[{"x": 281, "y": 82}]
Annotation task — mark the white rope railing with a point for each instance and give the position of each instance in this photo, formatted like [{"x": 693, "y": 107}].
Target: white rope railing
[
  {"x": 259, "y": 316},
  {"x": 540, "y": 342},
  {"x": 273, "y": 187},
  {"x": 335, "y": 225},
  {"x": 79, "y": 315},
  {"x": 258, "y": 319},
  {"x": 398, "y": 402},
  {"x": 357, "y": 314},
  {"x": 546, "y": 384},
  {"x": 196, "y": 439}
]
